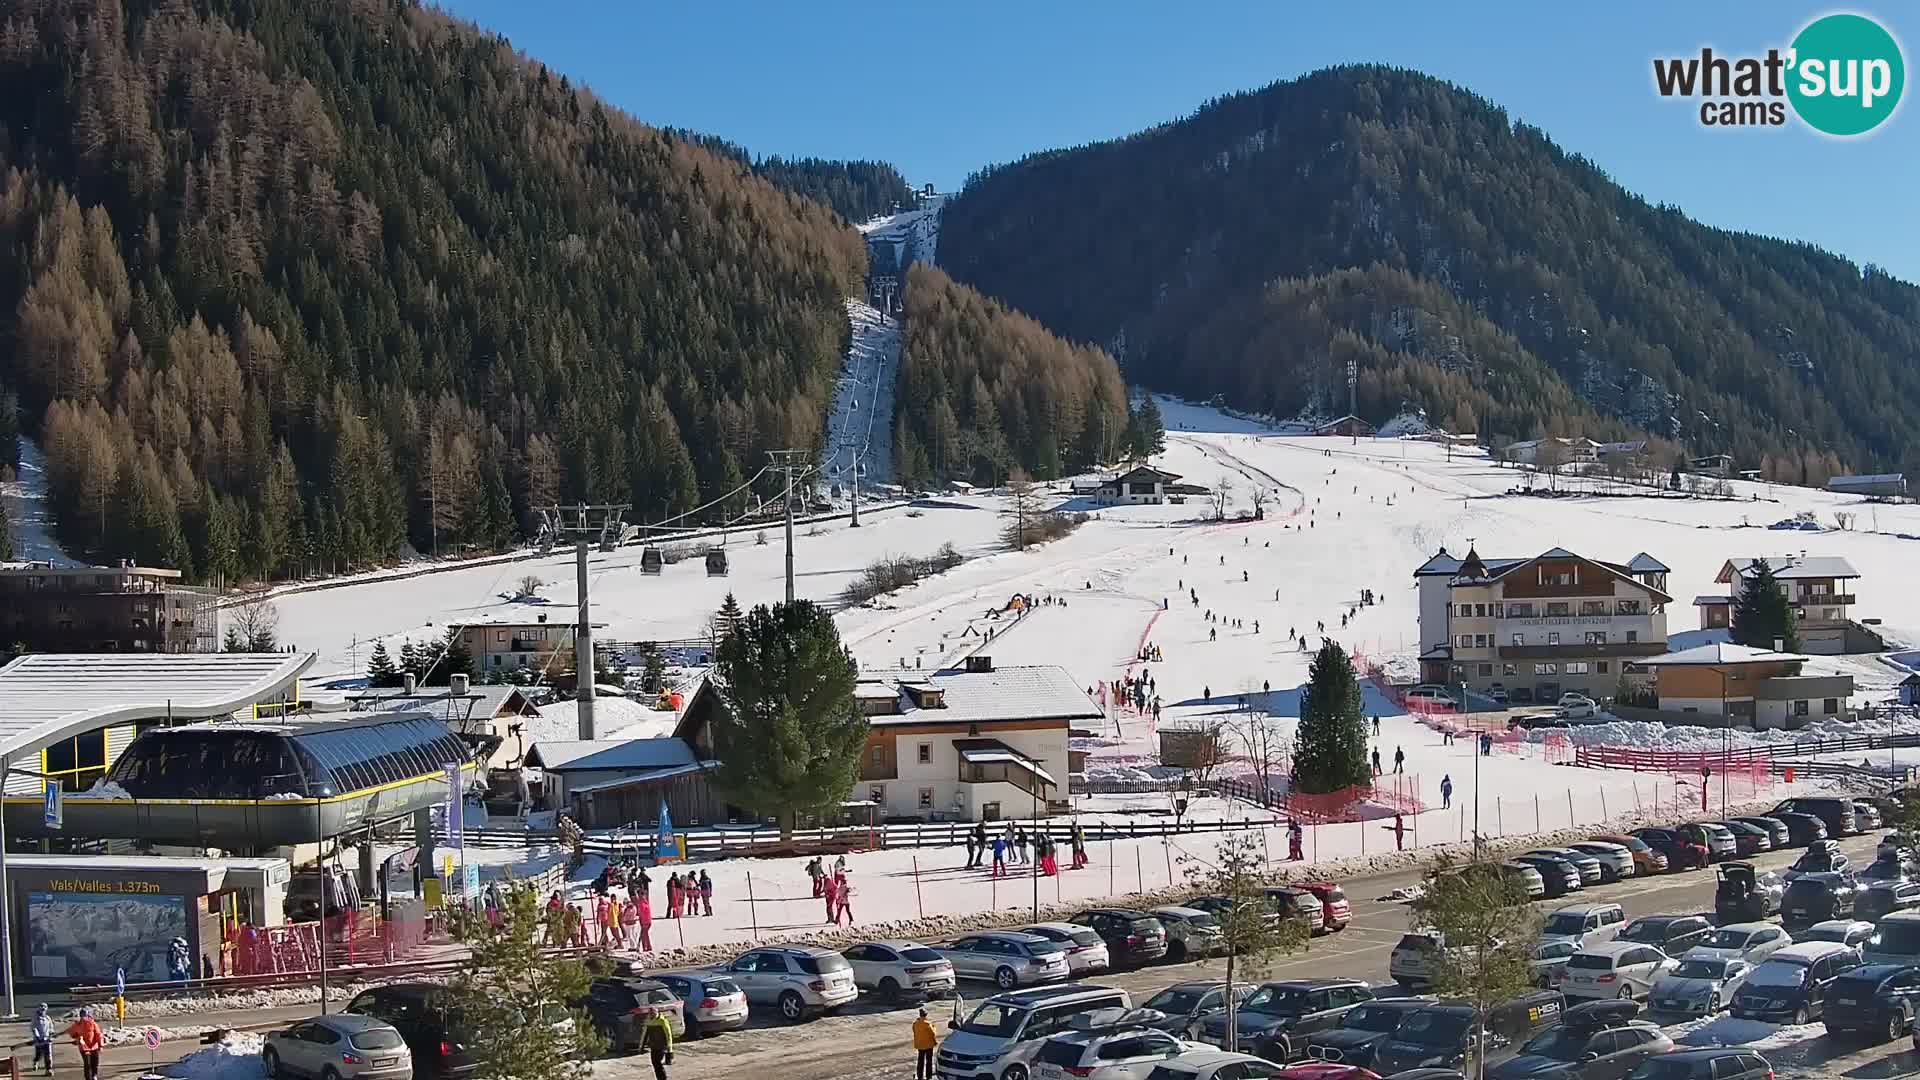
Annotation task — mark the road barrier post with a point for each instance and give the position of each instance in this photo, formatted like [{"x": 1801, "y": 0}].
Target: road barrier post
[
  {"x": 918, "y": 903},
  {"x": 754, "y": 914}
]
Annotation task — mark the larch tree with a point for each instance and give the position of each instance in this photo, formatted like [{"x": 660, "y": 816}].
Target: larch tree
[{"x": 788, "y": 734}]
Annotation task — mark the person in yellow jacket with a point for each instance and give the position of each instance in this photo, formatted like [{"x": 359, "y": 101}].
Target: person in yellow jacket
[
  {"x": 656, "y": 1038},
  {"x": 924, "y": 1041}
]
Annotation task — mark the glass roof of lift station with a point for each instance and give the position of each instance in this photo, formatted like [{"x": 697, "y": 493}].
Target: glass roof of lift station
[{"x": 297, "y": 760}]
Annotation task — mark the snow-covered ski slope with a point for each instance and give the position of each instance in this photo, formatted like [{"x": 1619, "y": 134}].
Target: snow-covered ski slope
[
  {"x": 29, "y": 514},
  {"x": 1330, "y": 531},
  {"x": 913, "y": 235},
  {"x": 861, "y": 423}
]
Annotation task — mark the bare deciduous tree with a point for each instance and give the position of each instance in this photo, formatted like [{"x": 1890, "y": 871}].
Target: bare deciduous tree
[
  {"x": 1222, "y": 493},
  {"x": 527, "y": 587},
  {"x": 252, "y": 627}
]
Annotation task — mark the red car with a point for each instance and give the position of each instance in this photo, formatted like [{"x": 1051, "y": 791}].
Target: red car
[
  {"x": 1336, "y": 912},
  {"x": 1325, "y": 1070}
]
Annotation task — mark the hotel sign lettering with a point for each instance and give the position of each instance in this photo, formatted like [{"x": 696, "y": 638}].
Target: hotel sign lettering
[
  {"x": 1564, "y": 620},
  {"x": 86, "y": 885}
]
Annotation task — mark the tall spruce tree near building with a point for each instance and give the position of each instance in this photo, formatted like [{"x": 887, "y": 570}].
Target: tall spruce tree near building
[
  {"x": 1762, "y": 614},
  {"x": 787, "y": 734},
  {"x": 1330, "y": 747},
  {"x": 450, "y": 659},
  {"x": 381, "y": 671},
  {"x": 1146, "y": 431}
]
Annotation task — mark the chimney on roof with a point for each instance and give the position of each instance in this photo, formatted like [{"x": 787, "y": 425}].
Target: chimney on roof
[
  {"x": 543, "y": 616},
  {"x": 1779, "y": 644},
  {"x": 457, "y": 684},
  {"x": 409, "y": 683},
  {"x": 979, "y": 664}
]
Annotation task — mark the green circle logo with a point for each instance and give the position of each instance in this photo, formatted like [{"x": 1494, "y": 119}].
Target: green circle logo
[{"x": 1847, "y": 74}]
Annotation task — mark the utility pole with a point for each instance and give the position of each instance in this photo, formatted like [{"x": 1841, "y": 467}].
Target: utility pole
[
  {"x": 786, "y": 461},
  {"x": 856, "y": 492},
  {"x": 602, "y": 520},
  {"x": 1352, "y": 371}
]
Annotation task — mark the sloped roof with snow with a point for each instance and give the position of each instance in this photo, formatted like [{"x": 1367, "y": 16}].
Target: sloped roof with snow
[
  {"x": 1719, "y": 652},
  {"x": 1644, "y": 563},
  {"x": 479, "y": 701},
  {"x": 46, "y": 697},
  {"x": 1038, "y": 692},
  {"x": 1789, "y": 567},
  {"x": 563, "y": 755}
]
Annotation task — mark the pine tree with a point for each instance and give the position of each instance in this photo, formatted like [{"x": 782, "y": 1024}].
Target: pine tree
[
  {"x": 410, "y": 661},
  {"x": 653, "y": 667},
  {"x": 1330, "y": 748},
  {"x": 1146, "y": 431},
  {"x": 6, "y": 534},
  {"x": 788, "y": 734},
  {"x": 452, "y": 659},
  {"x": 1762, "y": 613},
  {"x": 380, "y": 669},
  {"x": 727, "y": 619}
]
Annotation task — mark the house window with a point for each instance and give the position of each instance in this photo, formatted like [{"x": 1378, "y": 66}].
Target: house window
[
  {"x": 1519, "y": 640},
  {"x": 1546, "y": 669},
  {"x": 1466, "y": 641},
  {"x": 1553, "y": 637},
  {"x": 877, "y": 794},
  {"x": 924, "y": 754},
  {"x": 1479, "y": 611},
  {"x": 1830, "y": 706},
  {"x": 1633, "y": 635},
  {"x": 1557, "y": 607},
  {"x": 1626, "y": 607},
  {"x": 1829, "y": 613},
  {"x": 1519, "y": 611},
  {"x": 926, "y": 798},
  {"x": 1593, "y": 607},
  {"x": 1576, "y": 667},
  {"x": 1601, "y": 667},
  {"x": 1596, "y": 637},
  {"x": 500, "y": 637},
  {"x": 1799, "y": 708},
  {"x": 1466, "y": 611},
  {"x": 879, "y": 756},
  {"x": 1509, "y": 669},
  {"x": 1481, "y": 641},
  {"x": 1499, "y": 611},
  {"x": 1486, "y": 671}
]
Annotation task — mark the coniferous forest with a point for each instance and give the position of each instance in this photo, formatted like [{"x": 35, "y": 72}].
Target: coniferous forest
[
  {"x": 286, "y": 285},
  {"x": 1474, "y": 270}
]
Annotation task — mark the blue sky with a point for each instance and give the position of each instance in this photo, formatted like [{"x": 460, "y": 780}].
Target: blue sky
[{"x": 941, "y": 89}]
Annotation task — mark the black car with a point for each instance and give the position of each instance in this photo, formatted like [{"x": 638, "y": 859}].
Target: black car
[
  {"x": 1776, "y": 829},
  {"x": 1274, "y": 1020},
  {"x": 1879, "y": 899},
  {"x": 1877, "y": 1001},
  {"x": 1813, "y": 898},
  {"x": 1719, "y": 1063},
  {"x": 1599, "y": 1040},
  {"x": 620, "y": 1008},
  {"x": 1836, "y": 814},
  {"x": 1821, "y": 857},
  {"x": 1802, "y": 829},
  {"x": 1748, "y": 838},
  {"x": 1560, "y": 875},
  {"x": 1133, "y": 937},
  {"x": 1680, "y": 854},
  {"x": 1790, "y": 986},
  {"x": 1671, "y": 934},
  {"x": 1362, "y": 1030},
  {"x": 423, "y": 1015},
  {"x": 1441, "y": 1035},
  {"x": 1890, "y": 866}
]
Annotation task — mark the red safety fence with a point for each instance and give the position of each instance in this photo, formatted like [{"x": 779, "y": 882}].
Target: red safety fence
[
  {"x": 1559, "y": 750},
  {"x": 352, "y": 938},
  {"x": 1391, "y": 794}
]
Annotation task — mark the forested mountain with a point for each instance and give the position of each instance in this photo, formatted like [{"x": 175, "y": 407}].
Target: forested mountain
[
  {"x": 284, "y": 284},
  {"x": 856, "y": 190},
  {"x": 1472, "y": 267},
  {"x": 982, "y": 389}
]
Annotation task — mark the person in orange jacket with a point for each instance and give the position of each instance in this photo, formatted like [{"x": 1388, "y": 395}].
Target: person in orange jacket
[
  {"x": 88, "y": 1039},
  {"x": 924, "y": 1041}
]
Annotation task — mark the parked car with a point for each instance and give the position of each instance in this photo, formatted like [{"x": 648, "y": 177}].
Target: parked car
[
  {"x": 997, "y": 1041},
  {"x": 1549, "y": 957},
  {"x": 1361, "y": 1031},
  {"x": 1680, "y": 854},
  {"x": 1190, "y": 932},
  {"x": 1853, "y": 933},
  {"x": 1719, "y": 1063},
  {"x": 1671, "y": 934},
  {"x": 1645, "y": 859},
  {"x": 1594, "y": 1041},
  {"x": 1821, "y": 857},
  {"x": 1335, "y": 909},
  {"x": 1441, "y": 1036},
  {"x": 1866, "y": 816},
  {"x": 800, "y": 981},
  {"x": 1791, "y": 985},
  {"x": 1127, "y": 1054},
  {"x": 1876, "y": 900},
  {"x": 1744, "y": 894},
  {"x": 1895, "y": 939},
  {"x": 1613, "y": 969},
  {"x": 422, "y": 1014},
  {"x": 621, "y": 1006},
  {"x": 344, "y": 1046},
  {"x": 1577, "y": 707},
  {"x": 1184, "y": 1004},
  {"x": 1007, "y": 959},
  {"x": 894, "y": 970},
  {"x": 1720, "y": 843},
  {"x": 1411, "y": 962},
  {"x": 1558, "y": 875},
  {"x": 1802, "y": 829},
  {"x": 1584, "y": 924},
  {"x": 1497, "y": 694},
  {"x": 1897, "y": 844},
  {"x": 1133, "y": 938},
  {"x": 1298, "y": 903},
  {"x": 1748, "y": 838},
  {"x": 1813, "y": 898},
  {"x": 1749, "y": 941},
  {"x": 1776, "y": 830},
  {"x": 1616, "y": 860},
  {"x": 1086, "y": 950},
  {"x": 1835, "y": 813},
  {"x": 1208, "y": 1063},
  {"x": 1874, "y": 1000},
  {"x": 1525, "y": 878},
  {"x": 1898, "y": 866},
  {"x": 1588, "y": 866},
  {"x": 708, "y": 1002},
  {"x": 1431, "y": 694},
  {"x": 1277, "y": 1016},
  {"x": 1698, "y": 985}
]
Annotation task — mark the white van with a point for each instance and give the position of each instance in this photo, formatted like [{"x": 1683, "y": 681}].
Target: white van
[{"x": 999, "y": 1039}]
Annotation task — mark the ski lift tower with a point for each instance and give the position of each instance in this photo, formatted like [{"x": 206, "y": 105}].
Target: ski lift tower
[
  {"x": 1352, "y": 378},
  {"x": 587, "y": 524}
]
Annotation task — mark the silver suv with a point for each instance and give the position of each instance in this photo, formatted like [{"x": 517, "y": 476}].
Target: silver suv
[{"x": 800, "y": 981}]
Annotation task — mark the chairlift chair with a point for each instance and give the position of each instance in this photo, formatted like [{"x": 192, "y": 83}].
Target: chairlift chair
[
  {"x": 651, "y": 560},
  {"x": 717, "y": 562}
]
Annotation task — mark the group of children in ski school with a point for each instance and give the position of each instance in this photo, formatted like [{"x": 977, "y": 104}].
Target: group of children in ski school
[
  {"x": 621, "y": 921},
  {"x": 833, "y": 887},
  {"x": 1010, "y": 844}
]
